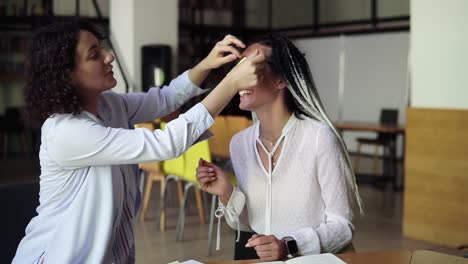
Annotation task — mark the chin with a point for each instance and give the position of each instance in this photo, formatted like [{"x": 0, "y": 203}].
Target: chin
[
  {"x": 245, "y": 107},
  {"x": 112, "y": 84}
]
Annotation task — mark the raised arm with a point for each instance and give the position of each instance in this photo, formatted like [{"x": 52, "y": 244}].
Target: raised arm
[{"x": 143, "y": 107}]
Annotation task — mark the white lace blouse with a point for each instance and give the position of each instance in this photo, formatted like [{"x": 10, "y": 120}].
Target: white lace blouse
[{"x": 305, "y": 196}]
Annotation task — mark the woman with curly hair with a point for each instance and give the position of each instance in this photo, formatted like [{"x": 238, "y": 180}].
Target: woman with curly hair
[
  {"x": 296, "y": 192},
  {"x": 88, "y": 186}
]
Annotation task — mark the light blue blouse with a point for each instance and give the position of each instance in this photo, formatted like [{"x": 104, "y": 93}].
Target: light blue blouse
[{"x": 89, "y": 192}]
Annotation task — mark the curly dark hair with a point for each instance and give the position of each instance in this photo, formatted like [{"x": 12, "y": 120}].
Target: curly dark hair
[{"x": 50, "y": 61}]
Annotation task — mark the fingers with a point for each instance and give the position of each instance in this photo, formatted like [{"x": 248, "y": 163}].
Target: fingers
[
  {"x": 206, "y": 180},
  {"x": 230, "y": 49},
  {"x": 202, "y": 162},
  {"x": 265, "y": 255},
  {"x": 227, "y": 59},
  {"x": 258, "y": 240},
  {"x": 257, "y": 58},
  {"x": 230, "y": 39},
  {"x": 254, "y": 236},
  {"x": 203, "y": 171}
]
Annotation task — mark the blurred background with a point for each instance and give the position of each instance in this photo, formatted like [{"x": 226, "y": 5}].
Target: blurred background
[{"x": 391, "y": 74}]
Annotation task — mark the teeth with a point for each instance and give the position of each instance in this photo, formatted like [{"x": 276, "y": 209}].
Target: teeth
[{"x": 245, "y": 92}]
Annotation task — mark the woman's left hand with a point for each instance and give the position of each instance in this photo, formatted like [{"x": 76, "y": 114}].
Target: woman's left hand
[
  {"x": 223, "y": 52},
  {"x": 268, "y": 248}
]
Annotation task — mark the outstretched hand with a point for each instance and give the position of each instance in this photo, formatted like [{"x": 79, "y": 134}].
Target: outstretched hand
[{"x": 223, "y": 52}]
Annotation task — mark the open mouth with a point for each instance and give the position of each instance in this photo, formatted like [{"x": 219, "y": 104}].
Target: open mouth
[{"x": 244, "y": 92}]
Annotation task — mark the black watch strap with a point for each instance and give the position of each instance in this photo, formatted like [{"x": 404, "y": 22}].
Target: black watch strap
[{"x": 291, "y": 246}]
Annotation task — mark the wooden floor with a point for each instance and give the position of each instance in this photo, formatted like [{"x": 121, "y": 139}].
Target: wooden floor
[{"x": 379, "y": 229}]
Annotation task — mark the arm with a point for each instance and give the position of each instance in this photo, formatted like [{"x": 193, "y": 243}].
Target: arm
[
  {"x": 75, "y": 142},
  {"x": 213, "y": 180},
  {"x": 337, "y": 230},
  {"x": 238, "y": 216},
  {"x": 161, "y": 102}
]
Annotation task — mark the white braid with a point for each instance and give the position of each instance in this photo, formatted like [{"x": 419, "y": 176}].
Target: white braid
[{"x": 313, "y": 107}]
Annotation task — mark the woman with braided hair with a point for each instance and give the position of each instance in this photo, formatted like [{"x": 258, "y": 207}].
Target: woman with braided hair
[{"x": 296, "y": 192}]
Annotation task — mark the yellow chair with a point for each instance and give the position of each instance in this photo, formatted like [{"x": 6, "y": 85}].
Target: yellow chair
[
  {"x": 173, "y": 170},
  {"x": 219, "y": 142},
  {"x": 192, "y": 156},
  {"x": 153, "y": 172},
  {"x": 236, "y": 124},
  {"x": 163, "y": 175}
]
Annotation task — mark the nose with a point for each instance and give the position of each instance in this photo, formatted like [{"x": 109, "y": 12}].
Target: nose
[{"x": 109, "y": 58}]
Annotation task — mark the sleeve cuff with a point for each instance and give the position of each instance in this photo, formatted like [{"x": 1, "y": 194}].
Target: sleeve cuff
[
  {"x": 190, "y": 89},
  {"x": 308, "y": 241},
  {"x": 237, "y": 201},
  {"x": 199, "y": 116}
]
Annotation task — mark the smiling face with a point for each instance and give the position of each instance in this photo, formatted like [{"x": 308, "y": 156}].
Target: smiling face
[
  {"x": 268, "y": 90},
  {"x": 93, "y": 70}
]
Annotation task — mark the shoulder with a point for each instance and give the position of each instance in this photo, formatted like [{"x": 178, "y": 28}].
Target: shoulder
[
  {"x": 242, "y": 138},
  {"x": 311, "y": 124},
  {"x": 243, "y": 135},
  {"x": 61, "y": 128}
]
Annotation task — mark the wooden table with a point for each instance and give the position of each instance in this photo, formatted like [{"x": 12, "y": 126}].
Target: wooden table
[
  {"x": 430, "y": 257},
  {"x": 389, "y": 162},
  {"x": 370, "y": 127},
  {"x": 380, "y": 257}
]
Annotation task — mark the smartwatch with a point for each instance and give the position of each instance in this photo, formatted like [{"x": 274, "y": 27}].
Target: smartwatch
[{"x": 291, "y": 247}]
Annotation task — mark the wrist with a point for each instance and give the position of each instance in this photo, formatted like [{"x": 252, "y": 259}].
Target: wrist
[
  {"x": 290, "y": 246},
  {"x": 203, "y": 66},
  {"x": 226, "y": 196},
  {"x": 228, "y": 85}
]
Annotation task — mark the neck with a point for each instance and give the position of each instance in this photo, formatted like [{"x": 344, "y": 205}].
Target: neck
[
  {"x": 90, "y": 104},
  {"x": 272, "y": 119}
]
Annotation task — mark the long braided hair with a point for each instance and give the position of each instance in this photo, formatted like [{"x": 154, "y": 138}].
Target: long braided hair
[{"x": 302, "y": 98}]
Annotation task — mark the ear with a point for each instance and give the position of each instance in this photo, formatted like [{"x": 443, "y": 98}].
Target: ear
[{"x": 280, "y": 84}]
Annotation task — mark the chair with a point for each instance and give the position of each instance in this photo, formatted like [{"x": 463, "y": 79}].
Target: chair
[
  {"x": 156, "y": 173},
  {"x": 173, "y": 169},
  {"x": 388, "y": 117},
  {"x": 219, "y": 142},
  {"x": 192, "y": 156},
  {"x": 235, "y": 124},
  {"x": 18, "y": 203},
  {"x": 153, "y": 172}
]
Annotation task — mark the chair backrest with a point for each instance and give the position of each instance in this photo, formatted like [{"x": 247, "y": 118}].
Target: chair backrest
[
  {"x": 389, "y": 116},
  {"x": 18, "y": 203},
  {"x": 236, "y": 124},
  {"x": 153, "y": 166},
  {"x": 174, "y": 166},
  {"x": 219, "y": 142},
  {"x": 224, "y": 128},
  {"x": 192, "y": 156}
]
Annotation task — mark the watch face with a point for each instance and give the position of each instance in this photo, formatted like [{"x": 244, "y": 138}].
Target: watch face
[{"x": 292, "y": 247}]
